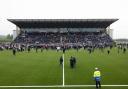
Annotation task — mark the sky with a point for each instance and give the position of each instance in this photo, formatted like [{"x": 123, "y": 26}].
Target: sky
[{"x": 65, "y": 9}]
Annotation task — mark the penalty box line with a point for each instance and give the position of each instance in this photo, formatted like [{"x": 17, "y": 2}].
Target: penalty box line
[
  {"x": 63, "y": 71},
  {"x": 64, "y": 86},
  {"x": 95, "y": 85}
]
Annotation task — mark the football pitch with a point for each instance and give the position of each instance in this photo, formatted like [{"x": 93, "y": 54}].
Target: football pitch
[{"x": 42, "y": 69}]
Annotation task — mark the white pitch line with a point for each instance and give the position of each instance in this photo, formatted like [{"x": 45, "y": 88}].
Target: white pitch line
[
  {"x": 95, "y": 85},
  {"x": 63, "y": 70},
  {"x": 33, "y": 86},
  {"x": 66, "y": 86}
]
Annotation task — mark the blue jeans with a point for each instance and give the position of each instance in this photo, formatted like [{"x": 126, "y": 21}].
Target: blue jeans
[{"x": 98, "y": 84}]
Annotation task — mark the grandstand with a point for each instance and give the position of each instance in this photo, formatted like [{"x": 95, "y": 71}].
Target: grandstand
[{"x": 58, "y": 32}]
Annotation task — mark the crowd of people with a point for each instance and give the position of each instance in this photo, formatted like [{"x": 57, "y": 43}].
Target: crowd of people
[
  {"x": 80, "y": 38},
  {"x": 61, "y": 41},
  {"x": 4, "y": 46}
]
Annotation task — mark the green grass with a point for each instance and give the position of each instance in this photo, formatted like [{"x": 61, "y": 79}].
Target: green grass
[
  {"x": 30, "y": 68},
  {"x": 114, "y": 67},
  {"x": 44, "y": 69},
  {"x": 73, "y": 88}
]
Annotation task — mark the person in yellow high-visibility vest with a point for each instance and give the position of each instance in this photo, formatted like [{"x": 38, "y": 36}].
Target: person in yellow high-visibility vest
[{"x": 97, "y": 77}]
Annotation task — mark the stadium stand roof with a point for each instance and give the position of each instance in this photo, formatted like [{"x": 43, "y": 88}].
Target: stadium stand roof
[{"x": 62, "y": 23}]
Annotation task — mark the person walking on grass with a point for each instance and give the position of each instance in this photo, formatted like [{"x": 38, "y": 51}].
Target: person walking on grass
[
  {"x": 97, "y": 77},
  {"x": 61, "y": 60},
  {"x": 14, "y": 51}
]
